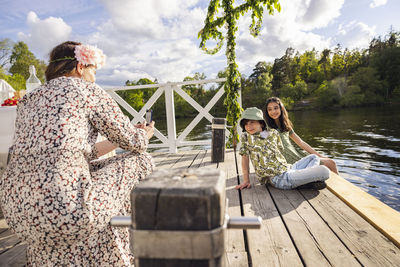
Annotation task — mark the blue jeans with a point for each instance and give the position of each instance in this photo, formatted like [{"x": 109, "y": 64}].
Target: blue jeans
[{"x": 303, "y": 171}]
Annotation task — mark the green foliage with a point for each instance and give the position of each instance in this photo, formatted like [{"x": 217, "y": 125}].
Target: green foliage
[
  {"x": 396, "y": 93},
  {"x": 256, "y": 90},
  {"x": 294, "y": 92},
  {"x": 20, "y": 60},
  {"x": 137, "y": 97},
  {"x": 260, "y": 68},
  {"x": 387, "y": 64},
  {"x": 366, "y": 78},
  {"x": 325, "y": 63},
  {"x": 17, "y": 81},
  {"x": 211, "y": 31},
  {"x": 282, "y": 70},
  {"x": 327, "y": 94},
  {"x": 287, "y": 102},
  {"x": 309, "y": 71},
  {"x": 352, "y": 97}
]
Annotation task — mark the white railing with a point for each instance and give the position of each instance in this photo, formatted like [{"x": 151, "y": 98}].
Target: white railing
[{"x": 171, "y": 141}]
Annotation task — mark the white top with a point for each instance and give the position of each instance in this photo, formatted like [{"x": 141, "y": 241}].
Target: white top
[{"x": 6, "y": 90}]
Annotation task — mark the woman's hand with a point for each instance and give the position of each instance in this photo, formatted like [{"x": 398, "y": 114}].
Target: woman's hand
[
  {"x": 149, "y": 129},
  {"x": 243, "y": 185}
]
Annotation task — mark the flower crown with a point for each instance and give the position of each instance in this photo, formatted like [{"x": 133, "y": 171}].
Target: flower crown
[{"x": 87, "y": 55}]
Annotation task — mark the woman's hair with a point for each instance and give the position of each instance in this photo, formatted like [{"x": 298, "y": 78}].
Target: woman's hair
[
  {"x": 62, "y": 60},
  {"x": 285, "y": 123},
  {"x": 244, "y": 121}
]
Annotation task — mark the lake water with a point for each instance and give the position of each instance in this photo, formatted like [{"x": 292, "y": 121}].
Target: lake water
[{"x": 364, "y": 142}]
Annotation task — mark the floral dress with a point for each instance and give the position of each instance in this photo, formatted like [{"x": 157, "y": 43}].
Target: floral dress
[{"x": 53, "y": 195}]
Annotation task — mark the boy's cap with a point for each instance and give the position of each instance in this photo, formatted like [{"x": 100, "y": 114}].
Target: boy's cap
[{"x": 252, "y": 114}]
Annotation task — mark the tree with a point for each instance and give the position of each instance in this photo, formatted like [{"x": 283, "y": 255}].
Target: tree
[
  {"x": 283, "y": 71},
  {"x": 327, "y": 93},
  {"x": 17, "y": 81},
  {"x": 338, "y": 63},
  {"x": 5, "y": 52},
  {"x": 309, "y": 71},
  {"x": 260, "y": 68},
  {"x": 325, "y": 63},
  {"x": 366, "y": 79},
  {"x": 256, "y": 91},
  {"x": 294, "y": 92},
  {"x": 21, "y": 58},
  {"x": 387, "y": 64},
  {"x": 211, "y": 31}
]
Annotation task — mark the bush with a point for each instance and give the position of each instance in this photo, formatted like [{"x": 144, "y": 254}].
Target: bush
[
  {"x": 327, "y": 95},
  {"x": 352, "y": 97}
]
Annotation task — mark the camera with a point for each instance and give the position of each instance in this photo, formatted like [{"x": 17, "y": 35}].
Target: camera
[{"x": 149, "y": 116}]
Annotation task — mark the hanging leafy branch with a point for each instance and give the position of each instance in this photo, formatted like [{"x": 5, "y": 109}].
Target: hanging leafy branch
[{"x": 211, "y": 30}]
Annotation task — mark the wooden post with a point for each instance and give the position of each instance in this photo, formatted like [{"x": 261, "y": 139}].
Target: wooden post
[
  {"x": 170, "y": 111},
  {"x": 178, "y": 219},
  {"x": 218, "y": 139}
]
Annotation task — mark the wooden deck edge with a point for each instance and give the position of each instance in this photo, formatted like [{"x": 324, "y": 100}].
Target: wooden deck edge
[{"x": 384, "y": 218}]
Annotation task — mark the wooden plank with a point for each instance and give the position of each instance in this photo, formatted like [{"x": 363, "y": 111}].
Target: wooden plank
[
  {"x": 370, "y": 247},
  {"x": 236, "y": 254},
  {"x": 186, "y": 160},
  {"x": 167, "y": 161},
  {"x": 207, "y": 161},
  {"x": 15, "y": 256},
  {"x": 271, "y": 245},
  {"x": 7, "y": 240},
  {"x": 236, "y": 259},
  {"x": 315, "y": 241},
  {"x": 3, "y": 225},
  {"x": 380, "y": 215},
  {"x": 199, "y": 159}
]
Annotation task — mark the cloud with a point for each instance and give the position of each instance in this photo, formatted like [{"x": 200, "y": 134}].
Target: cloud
[
  {"x": 156, "y": 19},
  {"x": 170, "y": 59},
  {"x": 319, "y": 13},
  {"x": 158, "y": 38},
  {"x": 44, "y": 34},
  {"x": 292, "y": 27},
  {"x": 355, "y": 35},
  {"x": 376, "y": 3}
]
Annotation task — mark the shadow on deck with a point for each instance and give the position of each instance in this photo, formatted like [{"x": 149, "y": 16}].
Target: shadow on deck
[{"x": 299, "y": 227}]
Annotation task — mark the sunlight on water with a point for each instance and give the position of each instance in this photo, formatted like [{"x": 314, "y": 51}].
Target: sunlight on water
[{"x": 364, "y": 142}]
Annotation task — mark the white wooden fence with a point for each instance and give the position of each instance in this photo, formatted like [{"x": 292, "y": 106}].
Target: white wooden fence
[{"x": 171, "y": 141}]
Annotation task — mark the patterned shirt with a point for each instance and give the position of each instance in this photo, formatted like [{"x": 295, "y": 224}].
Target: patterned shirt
[{"x": 264, "y": 150}]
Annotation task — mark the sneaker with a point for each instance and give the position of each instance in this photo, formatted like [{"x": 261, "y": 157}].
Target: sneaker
[{"x": 318, "y": 185}]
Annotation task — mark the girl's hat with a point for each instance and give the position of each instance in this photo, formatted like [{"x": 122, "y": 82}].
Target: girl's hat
[{"x": 252, "y": 114}]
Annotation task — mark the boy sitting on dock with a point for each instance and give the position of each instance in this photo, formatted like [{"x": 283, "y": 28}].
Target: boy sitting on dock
[{"x": 263, "y": 146}]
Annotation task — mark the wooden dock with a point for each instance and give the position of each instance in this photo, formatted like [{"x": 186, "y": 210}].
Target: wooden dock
[{"x": 299, "y": 227}]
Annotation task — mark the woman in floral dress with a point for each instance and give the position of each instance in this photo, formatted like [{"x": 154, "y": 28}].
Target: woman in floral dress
[{"x": 53, "y": 195}]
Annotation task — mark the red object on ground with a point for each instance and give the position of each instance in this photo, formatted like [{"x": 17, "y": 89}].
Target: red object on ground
[{"x": 12, "y": 101}]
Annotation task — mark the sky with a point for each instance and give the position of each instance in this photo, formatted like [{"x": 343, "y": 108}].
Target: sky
[{"x": 157, "y": 39}]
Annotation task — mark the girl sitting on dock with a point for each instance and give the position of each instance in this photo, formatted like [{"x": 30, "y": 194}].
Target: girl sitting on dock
[
  {"x": 52, "y": 194},
  {"x": 276, "y": 116},
  {"x": 263, "y": 147}
]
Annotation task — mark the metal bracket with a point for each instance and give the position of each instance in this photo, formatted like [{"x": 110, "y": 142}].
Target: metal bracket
[
  {"x": 162, "y": 244},
  {"x": 218, "y": 126}
]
